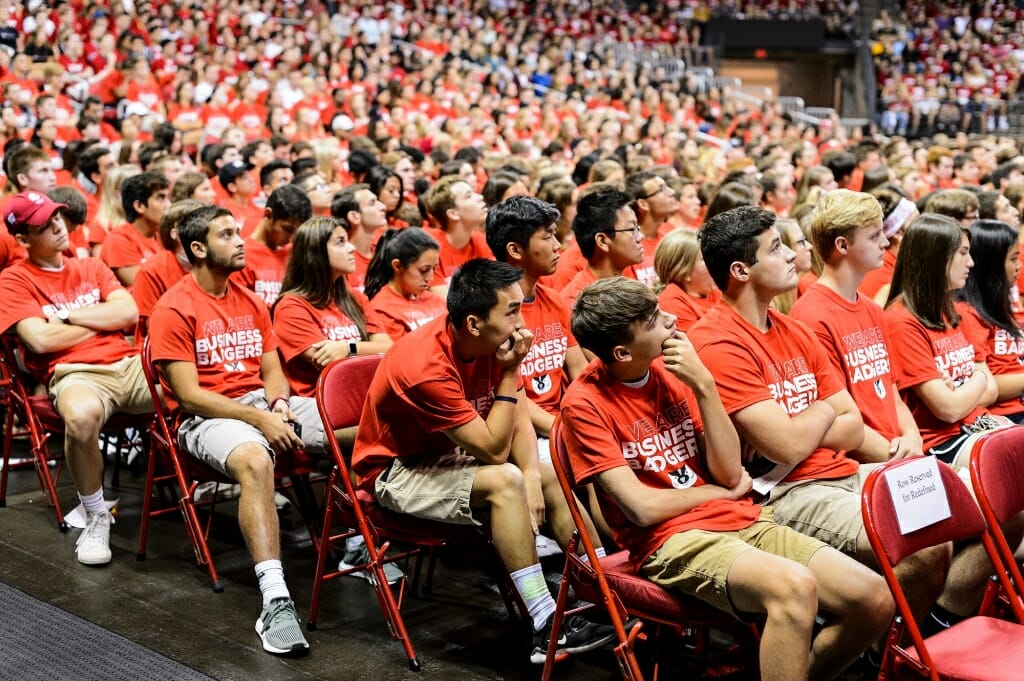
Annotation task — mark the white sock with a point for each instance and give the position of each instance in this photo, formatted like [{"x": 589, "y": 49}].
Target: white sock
[
  {"x": 534, "y": 591},
  {"x": 271, "y": 578},
  {"x": 94, "y": 502},
  {"x": 354, "y": 543},
  {"x": 599, "y": 550}
]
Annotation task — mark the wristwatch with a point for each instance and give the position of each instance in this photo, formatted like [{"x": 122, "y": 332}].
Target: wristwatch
[
  {"x": 64, "y": 315},
  {"x": 353, "y": 349}
]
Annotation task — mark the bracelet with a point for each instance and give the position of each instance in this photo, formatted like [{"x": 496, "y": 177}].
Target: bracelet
[
  {"x": 506, "y": 398},
  {"x": 274, "y": 402}
]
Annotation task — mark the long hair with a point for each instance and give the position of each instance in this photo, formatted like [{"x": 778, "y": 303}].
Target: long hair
[
  {"x": 988, "y": 288},
  {"x": 676, "y": 256},
  {"x": 404, "y": 245},
  {"x": 922, "y": 266},
  {"x": 309, "y": 273}
]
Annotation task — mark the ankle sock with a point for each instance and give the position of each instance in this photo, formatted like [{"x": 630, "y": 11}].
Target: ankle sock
[
  {"x": 270, "y": 574},
  {"x": 534, "y": 591},
  {"x": 938, "y": 619},
  {"x": 354, "y": 543},
  {"x": 94, "y": 502}
]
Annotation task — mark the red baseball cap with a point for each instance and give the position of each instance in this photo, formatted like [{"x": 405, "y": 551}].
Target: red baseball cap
[{"x": 31, "y": 208}]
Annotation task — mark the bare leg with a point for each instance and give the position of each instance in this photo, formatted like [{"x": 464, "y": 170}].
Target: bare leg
[
  {"x": 969, "y": 573},
  {"x": 250, "y": 464},
  {"x": 558, "y": 516},
  {"x": 82, "y": 412},
  {"x": 922, "y": 575},
  {"x": 501, "y": 489}
]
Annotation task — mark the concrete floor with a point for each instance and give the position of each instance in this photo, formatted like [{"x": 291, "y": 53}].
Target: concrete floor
[{"x": 461, "y": 631}]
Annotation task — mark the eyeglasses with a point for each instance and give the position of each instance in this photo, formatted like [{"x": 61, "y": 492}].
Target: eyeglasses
[
  {"x": 635, "y": 230},
  {"x": 663, "y": 188},
  {"x": 803, "y": 243},
  {"x": 972, "y": 217}
]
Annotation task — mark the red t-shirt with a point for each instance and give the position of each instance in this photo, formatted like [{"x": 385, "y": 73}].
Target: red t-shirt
[
  {"x": 357, "y": 280},
  {"x": 652, "y": 429},
  {"x": 420, "y": 390},
  {"x": 786, "y": 364},
  {"x": 299, "y": 325},
  {"x": 876, "y": 279},
  {"x": 450, "y": 258},
  {"x": 10, "y": 250},
  {"x": 687, "y": 309},
  {"x": 264, "y": 269},
  {"x": 571, "y": 291},
  {"x": 126, "y": 247},
  {"x": 855, "y": 340},
  {"x": 31, "y": 291},
  {"x": 644, "y": 270},
  {"x": 157, "y": 274},
  {"x": 400, "y": 315},
  {"x": 543, "y": 369},
  {"x": 1004, "y": 353},
  {"x": 224, "y": 337},
  {"x": 921, "y": 354},
  {"x": 807, "y": 280}
]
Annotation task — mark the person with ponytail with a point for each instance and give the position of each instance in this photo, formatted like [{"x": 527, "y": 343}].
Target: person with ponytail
[
  {"x": 398, "y": 281},
  {"x": 318, "y": 318}
]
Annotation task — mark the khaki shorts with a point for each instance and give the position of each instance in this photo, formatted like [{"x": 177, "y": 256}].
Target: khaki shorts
[
  {"x": 435, "y": 488},
  {"x": 828, "y": 510},
  {"x": 697, "y": 562},
  {"x": 212, "y": 440},
  {"x": 120, "y": 386}
]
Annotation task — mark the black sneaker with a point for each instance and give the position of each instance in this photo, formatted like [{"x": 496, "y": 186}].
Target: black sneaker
[{"x": 578, "y": 636}]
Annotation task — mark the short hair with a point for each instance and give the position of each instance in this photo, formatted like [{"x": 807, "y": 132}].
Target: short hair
[
  {"x": 956, "y": 203},
  {"x": 596, "y": 213},
  {"x": 267, "y": 171},
  {"x": 1000, "y": 173},
  {"x": 987, "y": 204},
  {"x": 186, "y": 185},
  {"x": 605, "y": 312},
  {"x": 139, "y": 188},
  {"x": 732, "y": 236},
  {"x": 21, "y": 160},
  {"x": 195, "y": 228},
  {"x": 841, "y": 163},
  {"x": 345, "y": 201},
  {"x": 289, "y": 202},
  {"x": 935, "y": 154},
  {"x": 75, "y": 212},
  {"x": 172, "y": 217},
  {"x": 499, "y": 183},
  {"x": 730, "y": 195},
  {"x": 515, "y": 220},
  {"x": 474, "y": 288},
  {"x": 360, "y": 162},
  {"x": 89, "y": 160},
  {"x": 676, "y": 255},
  {"x": 635, "y": 185},
  {"x": 840, "y": 213},
  {"x": 249, "y": 150},
  {"x": 439, "y": 200},
  {"x": 603, "y": 169}
]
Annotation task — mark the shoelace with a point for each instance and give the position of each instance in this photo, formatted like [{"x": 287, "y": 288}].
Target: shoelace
[{"x": 90, "y": 526}]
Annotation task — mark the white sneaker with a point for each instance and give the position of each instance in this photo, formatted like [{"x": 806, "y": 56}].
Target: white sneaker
[{"x": 93, "y": 545}]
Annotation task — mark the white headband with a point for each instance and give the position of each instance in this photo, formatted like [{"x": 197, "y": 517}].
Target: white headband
[{"x": 898, "y": 217}]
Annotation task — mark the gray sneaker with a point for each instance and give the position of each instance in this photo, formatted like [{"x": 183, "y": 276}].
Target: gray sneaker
[
  {"x": 361, "y": 556},
  {"x": 279, "y": 630}
]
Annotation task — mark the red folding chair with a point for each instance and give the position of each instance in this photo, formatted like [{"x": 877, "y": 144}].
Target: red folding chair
[
  {"x": 169, "y": 467},
  {"x": 39, "y": 422},
  {"x": 340, "y": 393},
  {"x": 997, "y": 475},
  {"x": 980, "y": 648},
  {"x": 612, "y": 582}
]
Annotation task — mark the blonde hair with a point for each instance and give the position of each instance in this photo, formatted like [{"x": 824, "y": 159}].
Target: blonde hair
[
  {"x": 111, "y": 213},
  {"x": 840, "y": 213},
  {"x": 676, "y": 256}
]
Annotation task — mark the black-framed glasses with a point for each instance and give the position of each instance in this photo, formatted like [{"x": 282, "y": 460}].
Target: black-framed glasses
[
  {"x": 635, "y": 230},
  {"x": 663, "y": 188}
]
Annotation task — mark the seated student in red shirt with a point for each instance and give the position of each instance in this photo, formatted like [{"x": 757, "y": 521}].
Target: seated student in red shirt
[
  {"x": 654, "y": 202},
  {"x": 459, "y": 213},
  {"x": 166, "y": 268},
  {"x": 445, "y": 434},
  {"x": 318, "y": 318},
  {"x": 688, "y": 291},
  {"x": 215, "y": 344},
  {"x": 685, "y": 512},
  {"x": 364, "y": 214},
  {"x": 69, "y": 315},
  {"x": 899, "y": 211},
  {"x": 239, "y": 185},
  {"x": 608, "y": 236},
  {"x": 398, "y": 281},
  {"x": 144, "y": 198},
  {"x": 75, "y": 213},
  {"x": 269, "y": 248},
  {"x": 987, "y": 312}
]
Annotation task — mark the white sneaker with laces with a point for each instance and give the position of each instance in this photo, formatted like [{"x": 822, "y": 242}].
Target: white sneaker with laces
[{"x": 93, "y": 545}]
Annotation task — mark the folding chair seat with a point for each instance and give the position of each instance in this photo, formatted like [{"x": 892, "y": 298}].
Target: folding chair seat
[
  {"x": 39, "y": 422},
  {"x": 997, "y": 476},
  {"x": 612, "y": 582},
  {"x": 170, "y": 467},
  {"x": 980, "y": 648},
  {"x": 340, "y": 393}
]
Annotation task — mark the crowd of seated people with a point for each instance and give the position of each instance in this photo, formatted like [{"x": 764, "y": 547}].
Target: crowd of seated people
[
  {"x": 944, "y": 67},
  {"x": 527, "y": 211}
]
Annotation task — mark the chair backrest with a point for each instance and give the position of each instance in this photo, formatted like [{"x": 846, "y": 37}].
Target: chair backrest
[
  {"x": 880, "y": 522},
  {"x": 566, "y": 479},
  {"x": 163, "y": 415},
  {"x": 997, "y": 471},
  {"x": 341, "y": 390}
]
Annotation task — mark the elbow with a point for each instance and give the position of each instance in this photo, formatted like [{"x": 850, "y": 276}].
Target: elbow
[
  {"x": 640, "y": 517},
  {"x": 37, "y": 346}
]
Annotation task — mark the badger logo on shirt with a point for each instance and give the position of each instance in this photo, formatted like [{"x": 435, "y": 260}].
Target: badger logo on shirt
[
  {"x": 541, "y": 384},
  {"x": 683, "y": 477},
  {"x": 880, "y": 388}
]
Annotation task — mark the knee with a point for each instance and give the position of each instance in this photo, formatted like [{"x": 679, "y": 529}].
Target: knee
[
  {"x": 794, "y": 597},
  {"x": 250, "y": 462},
  {"x": 931, "y": 565},
  {"x": 507, "y": 484},
  {"x": 867, "y": 598},
  {"x": 83, "y": 419}
]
